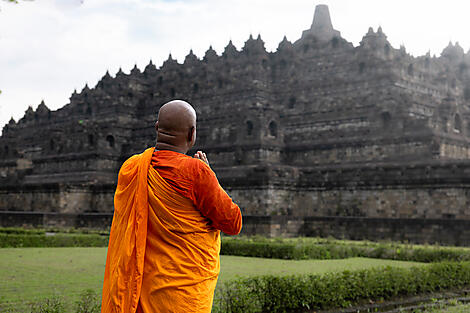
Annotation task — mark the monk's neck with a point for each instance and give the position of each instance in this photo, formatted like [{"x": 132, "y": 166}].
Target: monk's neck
[{"x": 165, "y": 146}]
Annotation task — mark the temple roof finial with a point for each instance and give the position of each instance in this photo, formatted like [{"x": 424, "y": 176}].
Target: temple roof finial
[
  {"x": 321, "y": 18},
  {"x": 321, "y": 28}
]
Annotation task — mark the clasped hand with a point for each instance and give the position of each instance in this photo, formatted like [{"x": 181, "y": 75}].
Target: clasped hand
[{"x": 201, "y": 156}]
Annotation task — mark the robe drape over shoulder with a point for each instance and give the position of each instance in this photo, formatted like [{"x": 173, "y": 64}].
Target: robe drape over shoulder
[{"x": 163, "y": 252}]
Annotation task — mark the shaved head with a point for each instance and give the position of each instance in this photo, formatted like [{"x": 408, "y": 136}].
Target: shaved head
[{"x": 176, "y": 126}]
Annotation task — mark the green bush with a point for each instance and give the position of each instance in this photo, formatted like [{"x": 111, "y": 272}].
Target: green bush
[
  {"x": 20, "y": 230},
  {"x": 88, "y": 303},
  {"x": 310, "y": 248},
  {"x": 51, "y": 305},
  {"x": 313, "y": 292},
  {"x": 56, "y": 240}
]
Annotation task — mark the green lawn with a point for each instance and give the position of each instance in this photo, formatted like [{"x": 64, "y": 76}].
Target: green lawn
[
  {"x": 237, "y": 266},
  {"x": 31, "y": 274}
]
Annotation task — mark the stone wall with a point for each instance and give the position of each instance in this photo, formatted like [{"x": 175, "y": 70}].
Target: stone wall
[
  {"x": 58, "y": 198},
  {"x": 451, "y": 203},
  {"x": 52, "y": 219},
  {"x": 393, "y": 190},
  {"x": 418, "y": 230},
  {"x": 401, "y": 190}
]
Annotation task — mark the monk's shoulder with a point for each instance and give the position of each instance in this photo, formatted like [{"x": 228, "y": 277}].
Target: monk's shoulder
[
  {"x": 129, "y": 167},
  {"x": 199, "y": 167},
  {"x": 131, "y": 162}
]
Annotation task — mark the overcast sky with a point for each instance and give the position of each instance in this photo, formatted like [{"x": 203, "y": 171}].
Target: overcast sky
[{"x": 48, "y": 48}]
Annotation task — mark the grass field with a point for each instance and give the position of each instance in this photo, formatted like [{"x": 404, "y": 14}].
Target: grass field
[{"x": 31, "y": 274}]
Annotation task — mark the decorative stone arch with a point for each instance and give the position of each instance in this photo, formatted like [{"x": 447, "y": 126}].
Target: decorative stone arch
[
  {"x": 410, "y": 69},
  {"x": 463, "y": 67},
  {"x": 335, "y": 42},
  {"x": 427, "y": 62},
  {"x": 457, "y": 123},
  {"x": 110, "y": 140},
  {"x": 249, "y": 128},
  {"x": 362, "y": 67},
  {"x": 272, "y": 129},
  {"x": 386, "y": 119},
  {"x": 387, "y": 49},
  {"x": 264, "y": 63},
  {"x": 91, "y": 140},
  {"x": 292, "y": 101},
  {"x": 444, "y": 124},
  {"x": 453, "y": 83}
]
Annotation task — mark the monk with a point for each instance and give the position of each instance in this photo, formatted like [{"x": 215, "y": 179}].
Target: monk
[{"x": 169, "y": 209}]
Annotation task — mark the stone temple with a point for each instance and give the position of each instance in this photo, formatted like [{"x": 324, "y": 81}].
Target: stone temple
[{"x": 318, "y": 129}]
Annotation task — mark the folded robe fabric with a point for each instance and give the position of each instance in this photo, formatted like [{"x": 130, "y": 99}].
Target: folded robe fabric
[{"x": 163, "y": 253}]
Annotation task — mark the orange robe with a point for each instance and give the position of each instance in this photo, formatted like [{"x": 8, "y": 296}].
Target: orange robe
[{"x": 163, "y": 252}]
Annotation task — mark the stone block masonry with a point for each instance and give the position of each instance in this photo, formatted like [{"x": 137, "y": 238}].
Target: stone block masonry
[{"x": 418, "y": 230}]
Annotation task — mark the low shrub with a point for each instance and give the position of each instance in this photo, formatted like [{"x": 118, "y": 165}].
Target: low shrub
[
  {"x": 54, "y": 240},
  {"x": 88, "y": 302},
  {"x": 21, "y": 230},
  {"x": 312, "y": 292},
  {"x": 309, "y": 248},
  {"x": 51, "y": 305},
  {"x": 39, "y": 231}
]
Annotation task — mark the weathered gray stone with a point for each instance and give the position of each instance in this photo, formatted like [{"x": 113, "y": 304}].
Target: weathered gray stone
[{"x": 316, "y": 128}]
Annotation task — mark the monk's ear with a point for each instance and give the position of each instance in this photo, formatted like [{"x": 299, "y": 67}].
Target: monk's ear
[{"x": 192, "y": 135}]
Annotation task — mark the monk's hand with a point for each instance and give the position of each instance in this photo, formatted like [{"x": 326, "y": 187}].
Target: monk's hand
[{"x": 201, "y": 156}]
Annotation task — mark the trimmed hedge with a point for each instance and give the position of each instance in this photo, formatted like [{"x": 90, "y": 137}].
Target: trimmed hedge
[
  {"x": 310, "y": 248},
  {"x": 22, "y": 231},
  {"x": 39, "y": 231},
  {"x": 55, "y": 240},
  {"x": 312, "y": 292},
  {"x": 278, "y": 248}
]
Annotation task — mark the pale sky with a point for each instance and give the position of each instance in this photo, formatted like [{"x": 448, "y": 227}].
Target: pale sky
[{"x": 48, "y": 48}]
